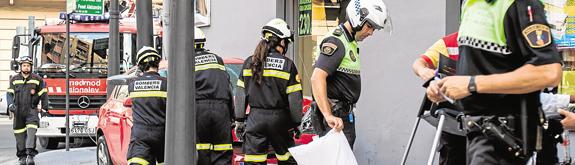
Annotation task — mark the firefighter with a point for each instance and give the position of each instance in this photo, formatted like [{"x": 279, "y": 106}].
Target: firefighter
[
  {"x": 336, "y": 81},
  {"x": 214, "y": 103},
  {"x": 507, "y": 56},
  {"x": 269, "y": 85},
  {"x": 452, "y": 147},
  {"x": 148, "y": 93},
  {"x": 26, "y": 90}
]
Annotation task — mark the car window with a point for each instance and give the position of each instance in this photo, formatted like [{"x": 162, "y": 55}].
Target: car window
[{"x": 234, "y": 72}]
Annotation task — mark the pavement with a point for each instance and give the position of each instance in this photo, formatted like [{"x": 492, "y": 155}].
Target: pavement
[
  {"x": 76, "y": 156},
  {"x": 86, "y": 155}
]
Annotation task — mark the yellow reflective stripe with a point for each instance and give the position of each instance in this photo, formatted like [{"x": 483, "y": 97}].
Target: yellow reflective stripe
[
  {"x": 276, "y": 74},
  {"x": 283, "y": 157},
  {"x": 240, "y": 84},
  {"x": 210, "y": 66},
  {"x": 222, "y": 147},
  {"x": 255, "y": 158},
  {"x": 293, "y": 88},
  {"x": 149, "y": 94},
  {"x": 42, "y": 92},
  {"x": 16, "y": 82},
  {"x": 203, "y": 146},
  {"x": 162, "y": 163},
  {"x": 31, "y": 126},
  {"x": 20, "y": 130},
  {"x": 247, "y": 72},
  {"x": 138, "y": 160},
  {"x": 33, "y": 82},
  {"x": 10, "y": 90}
]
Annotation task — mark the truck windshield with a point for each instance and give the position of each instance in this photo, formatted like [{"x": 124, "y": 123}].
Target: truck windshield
[{"x": 84, "y": 57}]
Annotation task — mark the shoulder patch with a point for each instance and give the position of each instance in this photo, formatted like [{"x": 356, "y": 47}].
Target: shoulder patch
[
  {"x": 337, "y": 32},
  {"x": 328, "y": 48},
  {"x": 537, "y": 35}
]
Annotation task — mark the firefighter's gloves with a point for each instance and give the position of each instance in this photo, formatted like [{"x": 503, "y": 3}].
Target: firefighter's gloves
[
  {"x": 12, "y": 108},
  {"x": 240, "y": 130}
]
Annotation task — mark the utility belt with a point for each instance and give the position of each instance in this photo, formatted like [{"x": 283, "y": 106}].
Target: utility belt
[
  {"x": 343, "y": 109},
  {"x": 502, "y": 128}
]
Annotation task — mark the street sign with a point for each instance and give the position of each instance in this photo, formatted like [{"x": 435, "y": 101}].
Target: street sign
[
  {"x": 304, "y": 18},
  {"x": 90, "y": 7}
]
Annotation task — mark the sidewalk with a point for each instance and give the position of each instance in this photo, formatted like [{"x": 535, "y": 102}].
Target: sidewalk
[{"x": 76, "y": 156}]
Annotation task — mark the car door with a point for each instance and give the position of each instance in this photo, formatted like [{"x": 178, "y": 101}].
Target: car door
[
  {"x": 126, "y": 121},
  {"x": 113, "y": 124}
]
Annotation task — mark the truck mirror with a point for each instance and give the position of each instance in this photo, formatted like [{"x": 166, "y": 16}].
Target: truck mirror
[
  {"x": 14, "y": 65},
  {"x": 16, "y": 47}
]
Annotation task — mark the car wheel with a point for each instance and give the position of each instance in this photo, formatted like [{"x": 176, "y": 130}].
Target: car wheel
[
  {"x": 49, "y": 143},
  {"x": 102, "y": 153}
]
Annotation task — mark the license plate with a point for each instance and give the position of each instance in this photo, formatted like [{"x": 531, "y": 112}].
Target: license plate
[{"x": 82, "y": 130}]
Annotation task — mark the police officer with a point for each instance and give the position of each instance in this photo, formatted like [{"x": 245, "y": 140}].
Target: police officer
[
  {"x": 148, "y": 94},
  {"x": 269, "y": 85},
  {"x": 214, "y": 105},
  {"x": 27, "y": 90},
  {"x": 452, "y": 150},
  {"x": 506, "y": 57},
  {"x": 336, "y": 81}
]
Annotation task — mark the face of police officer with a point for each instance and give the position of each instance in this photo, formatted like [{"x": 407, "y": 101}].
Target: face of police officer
[
  {"x": 366, "y": 31},
  {"x": 26, "y": 68}
]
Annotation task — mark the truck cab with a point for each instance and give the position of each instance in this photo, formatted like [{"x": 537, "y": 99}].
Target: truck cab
[{"x": 88, "y": 72}]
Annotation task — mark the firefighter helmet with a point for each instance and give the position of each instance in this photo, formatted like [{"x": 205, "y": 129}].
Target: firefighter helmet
[
  {"x": 199, "y": 36},
  {"x": 279, "y": 28},
  {"x": 148, "y": 54},
  {"x": 25, "y": 59}
]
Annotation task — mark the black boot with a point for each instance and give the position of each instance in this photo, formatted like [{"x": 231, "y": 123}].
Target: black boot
[
  {"x": 30, "y": 160},
  {"x": 22, "y": 160}
]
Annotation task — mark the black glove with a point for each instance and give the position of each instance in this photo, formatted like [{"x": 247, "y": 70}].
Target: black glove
[
  {"x": 12, "y": 108},
  {"x": 296, "y": 132},
  {"x": 43, "y": 113},
  {"x": 240, "y": 130}
]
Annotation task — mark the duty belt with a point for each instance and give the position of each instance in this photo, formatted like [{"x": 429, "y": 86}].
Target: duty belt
[
  {"x": 343, "y": 109},
  {"x": 498, "y": 127}
]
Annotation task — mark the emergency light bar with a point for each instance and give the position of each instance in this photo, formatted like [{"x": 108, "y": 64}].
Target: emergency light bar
[{"x": 86, "y": 18}]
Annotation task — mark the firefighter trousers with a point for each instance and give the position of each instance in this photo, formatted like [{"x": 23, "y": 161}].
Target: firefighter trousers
[
  {"x": 214, "y": 132},
  {"x": 25, "y": 125},
  {"x": 146, "y": 145},
  {"x": 265, "y": 127}
]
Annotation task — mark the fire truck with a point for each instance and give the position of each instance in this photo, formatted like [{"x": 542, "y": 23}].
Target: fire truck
[{"x": 88, "y": 72}]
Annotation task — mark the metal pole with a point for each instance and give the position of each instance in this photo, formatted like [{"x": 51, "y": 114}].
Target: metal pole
[
  {"x": 413, "y": 132},
  {"x": 181, "y": 113},
  {"x": 31, "y": 20},
  {"x": 436, "y": 139},
  {"x": 144, "y": 23},
  {"x": 114, "y": 42},
  {"x": 166, "y": 30},
  {"x": 67, "y": 54}
]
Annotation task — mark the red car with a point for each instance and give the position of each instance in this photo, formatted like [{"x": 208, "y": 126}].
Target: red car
[{"x": 115, "y": 118}]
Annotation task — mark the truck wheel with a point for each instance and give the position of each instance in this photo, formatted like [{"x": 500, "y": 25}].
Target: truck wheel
[
  {"x": 49, "y": 143},
  {"x": 102, "y": 152}
]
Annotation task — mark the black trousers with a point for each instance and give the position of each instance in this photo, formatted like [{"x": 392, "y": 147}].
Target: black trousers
[
  {"x": 214, "y": 132},
  {"x": 266, "y": 127},
  {"x": 341, "y": 110},
  {"x": 25, "y": 125},
  {"x": 452, "y": 149},
  {"x": 548, "y": 154},
  {"x": 146, "y": 145}
]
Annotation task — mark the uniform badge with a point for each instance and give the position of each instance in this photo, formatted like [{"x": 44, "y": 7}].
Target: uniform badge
[
  {"x": 537, "y": 35},
  {"x": 352, "y": 56},
  {"x": 328, "y": 48},
  {"x": 337, "y": 32}
]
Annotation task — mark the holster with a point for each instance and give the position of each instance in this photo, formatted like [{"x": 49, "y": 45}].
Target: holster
[{"x": 501, "y": 128}]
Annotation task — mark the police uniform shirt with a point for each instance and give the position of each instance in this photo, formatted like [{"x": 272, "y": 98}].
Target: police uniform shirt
[
  {"x": 212, "y": 80},
  {"x": 148, "y": 94},
  {"x": 279, "y": 80},
  {"x": 524, "y": 38},
  {"x": 343, "y": 84}
]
